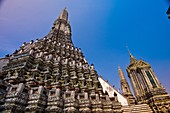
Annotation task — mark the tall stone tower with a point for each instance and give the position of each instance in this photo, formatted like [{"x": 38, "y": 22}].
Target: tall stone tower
[
  {"x": 125, "y": 87},
  {"x": 51, "y": 75},
  {"x": 146, "y": 86}
]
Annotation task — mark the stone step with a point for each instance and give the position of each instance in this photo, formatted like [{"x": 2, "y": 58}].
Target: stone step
[
  {"x": 141, "y": 112},
  {"x": 140, "y": 108}
]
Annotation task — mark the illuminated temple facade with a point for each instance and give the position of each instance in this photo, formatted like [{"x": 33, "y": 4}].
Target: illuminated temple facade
[{"x": 51, "y": 75}]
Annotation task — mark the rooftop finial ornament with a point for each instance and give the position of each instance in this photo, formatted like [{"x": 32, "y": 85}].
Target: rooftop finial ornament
[
  {"x": 129, "y": 51},
  {"x": 132, "y": 58}
]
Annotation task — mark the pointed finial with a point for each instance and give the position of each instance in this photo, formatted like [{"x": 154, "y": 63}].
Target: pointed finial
[
  {"x": 129, "y": 51},
  {"x": 132, "y": 58},
  {"x": 65, "y": 9},
  {"x": 119, "y": 68},
  {"x": 64, "y": 15},
  {"x": 120, "y": 72}
]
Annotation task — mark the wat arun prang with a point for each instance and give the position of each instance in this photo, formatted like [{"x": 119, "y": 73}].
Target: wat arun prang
[{"x": 50, "y": 75}]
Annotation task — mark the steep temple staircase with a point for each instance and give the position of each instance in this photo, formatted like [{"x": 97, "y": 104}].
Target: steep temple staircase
[{"x": 141, "y": 108}]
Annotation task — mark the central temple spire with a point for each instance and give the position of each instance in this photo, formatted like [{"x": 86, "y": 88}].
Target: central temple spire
[{"x": 61, "y": 28}]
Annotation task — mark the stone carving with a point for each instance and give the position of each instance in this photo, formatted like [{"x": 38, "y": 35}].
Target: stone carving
[{"x": 51, "y": 75}]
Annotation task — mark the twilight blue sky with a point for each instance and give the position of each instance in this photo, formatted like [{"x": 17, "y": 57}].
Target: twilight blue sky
[{"x": 101, "y": 28}]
